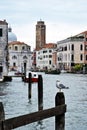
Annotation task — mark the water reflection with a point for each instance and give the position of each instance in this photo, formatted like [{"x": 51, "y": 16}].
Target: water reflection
[
  {"x": 39, "y": 126},
  {"x": 3, "y": 88}
]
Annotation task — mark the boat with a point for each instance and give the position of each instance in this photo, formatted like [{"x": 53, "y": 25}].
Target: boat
[
  {"x": 53, "y": 71},
  {"x": 34, "y": 77},
  {"x": 1, "y": 78}
]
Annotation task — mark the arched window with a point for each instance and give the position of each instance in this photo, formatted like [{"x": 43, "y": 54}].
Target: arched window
[
  {"x": 14, "y": 64},
  {"x": 14, "y": 57},
  {"x": 23, "y": 47},
  {"x": 25, "y": 57},
  {"x": 16, "y": 48}
]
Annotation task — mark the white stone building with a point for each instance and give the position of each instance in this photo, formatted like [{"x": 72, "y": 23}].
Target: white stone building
[
  {"x": 44, "y": 58},
  {"x": 20, "y": 55}
]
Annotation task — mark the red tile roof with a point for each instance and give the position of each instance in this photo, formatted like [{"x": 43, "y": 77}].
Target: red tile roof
[
  {"x": 85, "y": 32},
  {"x": 16, "y": 42},
  {"x": 47, "y": 45}
]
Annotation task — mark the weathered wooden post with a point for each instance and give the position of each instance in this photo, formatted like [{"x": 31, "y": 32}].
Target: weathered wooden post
[
  {"x": 29, "y": 85},
  {"x": 40, "y": 92},
  {"x": 2, "y": 116},
  {"x": 60, "y": 119},
  {"x": 24, "y": 70}
]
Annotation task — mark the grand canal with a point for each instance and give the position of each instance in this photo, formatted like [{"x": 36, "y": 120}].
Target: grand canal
[{"x": 14, "y": 96}]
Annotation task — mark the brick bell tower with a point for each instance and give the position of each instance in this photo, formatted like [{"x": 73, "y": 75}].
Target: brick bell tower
[{"x": 40, "y": 34}]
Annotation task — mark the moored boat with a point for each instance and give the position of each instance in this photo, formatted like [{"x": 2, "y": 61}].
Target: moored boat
[
  {"x": 53, "y": 72},
  {"x": 34, "y": 77},
  {"x": 1, "y": 79}
]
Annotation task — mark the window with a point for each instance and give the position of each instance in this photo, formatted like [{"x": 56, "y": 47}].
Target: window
[
  {"x": 0, "y": 32},
  {"x": 45, "y": 51},
  {"x": 14, "y": 57},
  {"x": 72, "y": 57},
  {"x": 25, "y": 57},
  {"x": 85, "y": 47},
  {"x": 9, "y": 48},
  {"x": 81, "y": 57},
  {"x": 43, "y": 56},
  {"x": 16, "y": 48},
  {"x": 65, "y": 48},
  {"x": 50, "y": 56},
  {"x": 23, "y": 47},
  {"x": 86, "y": 57},
  {"x": 72, "y": 47},
  {"x": 81, "y": 47},
  {"x": 50, "y": 62},
  {"x": 46, "y": 56},
  {"x": 14, "y": 64},
  {"x": 50, "y": 51}
]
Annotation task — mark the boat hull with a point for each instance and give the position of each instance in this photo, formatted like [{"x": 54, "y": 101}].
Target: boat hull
[
  {"x": 53, "y": 72},
  {"x": 33, "y": 80}
]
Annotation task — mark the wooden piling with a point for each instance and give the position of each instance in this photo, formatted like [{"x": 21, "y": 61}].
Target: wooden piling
[
  {"x": 24, "y": 69},
  {"x": 29, "y": 86},
  {"x": 60, "y": 119},
  {"x": 2, "y": 116},
  {"x": 40, "y": 92}
]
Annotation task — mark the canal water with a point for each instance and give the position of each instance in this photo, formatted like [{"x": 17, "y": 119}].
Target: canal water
[{"x": 14, "y": 96}]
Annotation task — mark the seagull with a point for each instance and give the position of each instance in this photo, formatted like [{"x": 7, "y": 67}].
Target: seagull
[{"x": 60, "y": 86}]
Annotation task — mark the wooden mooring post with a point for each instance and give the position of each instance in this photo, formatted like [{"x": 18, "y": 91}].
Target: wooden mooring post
[
  {"x": 2, "y": 116},
  {"x": 60, "y": 119},
  {"x": 29, "y": 86},
  {"x": 40, "y": 92}
]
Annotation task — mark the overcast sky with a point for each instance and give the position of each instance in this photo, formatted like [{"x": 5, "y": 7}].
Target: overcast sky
[{"x": 63, "y": 18}]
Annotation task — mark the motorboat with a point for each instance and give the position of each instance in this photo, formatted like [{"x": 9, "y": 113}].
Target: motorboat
[
  {"x": 34, "y": 77},
  {"x": 53, "y": 72}
]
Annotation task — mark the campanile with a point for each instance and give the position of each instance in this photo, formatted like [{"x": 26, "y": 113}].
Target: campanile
[{"x": 40, "y": 34}]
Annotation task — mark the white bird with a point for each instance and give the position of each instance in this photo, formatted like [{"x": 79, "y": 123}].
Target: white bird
[{"x": 60, "y": 86}]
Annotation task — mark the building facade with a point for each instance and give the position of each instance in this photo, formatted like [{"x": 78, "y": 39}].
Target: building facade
[
  {"x": 44, "y": 57},
  {"x": 72, "y": 51},
  {"x": 3, "y": 48},
  {"x": 20, "y": 55}
]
